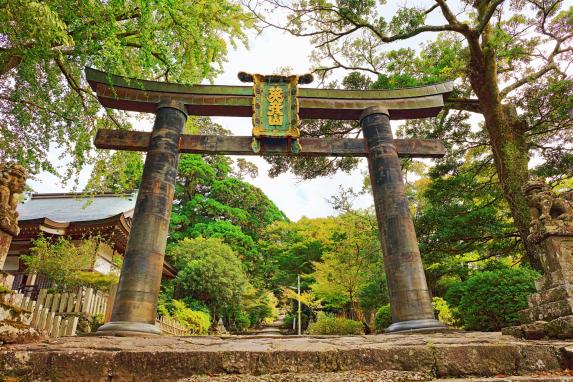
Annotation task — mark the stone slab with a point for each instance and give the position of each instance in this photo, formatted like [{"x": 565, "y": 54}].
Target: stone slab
[
  {"x": 548, "y": 311},
  {"x": 560, "y": 292},
  {"x": 176, "y": 358}
]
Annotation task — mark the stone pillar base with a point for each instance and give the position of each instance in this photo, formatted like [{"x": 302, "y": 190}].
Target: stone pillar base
[
  {"x": 427, "y": 325},
  {"x": 127, "y": 329}
]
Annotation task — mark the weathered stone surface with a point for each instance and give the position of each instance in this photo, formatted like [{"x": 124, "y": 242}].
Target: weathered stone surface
[
  {"x": 12, "y": 332},
  {"x": 548, "y": 311},
  {"x": 14, "y": 325},
  {"x": 476, "y": 360},
  {"x": 14, "y": 314},
  {"x": 560, "y": 292},
  {"x": 535, "y": 331},
  {"x": 515, "y": 331},
  {"x": 172, "y": 358},
  {"x": 537, "y": 358},
  {"x": 342, "y": 376},
  {"x": 561, "y": 327}
]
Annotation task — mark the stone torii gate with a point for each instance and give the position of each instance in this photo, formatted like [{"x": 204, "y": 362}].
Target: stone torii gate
[{"x": 136, "y": 300}]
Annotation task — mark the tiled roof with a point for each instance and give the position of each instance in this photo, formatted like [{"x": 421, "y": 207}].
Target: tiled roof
[{"x": 73, "y": 207}]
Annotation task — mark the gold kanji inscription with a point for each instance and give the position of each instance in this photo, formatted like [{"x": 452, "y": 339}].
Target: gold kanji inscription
[{"x": 274, "y": 111}]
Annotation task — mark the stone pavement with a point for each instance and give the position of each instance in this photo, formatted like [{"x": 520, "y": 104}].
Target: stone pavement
[{"x": 256, "y": 358}]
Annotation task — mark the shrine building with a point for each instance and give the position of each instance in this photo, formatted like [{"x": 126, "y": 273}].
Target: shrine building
[{"x": 73, "y": 216}]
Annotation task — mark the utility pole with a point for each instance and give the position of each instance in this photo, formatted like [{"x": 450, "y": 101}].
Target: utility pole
[{"x": 298, "y": 291}]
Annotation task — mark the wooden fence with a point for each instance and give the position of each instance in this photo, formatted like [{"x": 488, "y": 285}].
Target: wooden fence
[
  {"x": 58, "y": 314},
  {"x": 169, "y": 326}
]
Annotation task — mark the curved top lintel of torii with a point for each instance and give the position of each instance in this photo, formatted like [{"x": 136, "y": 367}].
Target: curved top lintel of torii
[{"x": 129, "y": 94}]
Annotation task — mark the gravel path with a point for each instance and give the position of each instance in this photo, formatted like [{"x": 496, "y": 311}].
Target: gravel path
[{"x": 346, "y": 376}]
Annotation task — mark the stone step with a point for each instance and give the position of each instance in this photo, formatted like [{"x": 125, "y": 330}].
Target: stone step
[
  {"x": 547, "y": 312},
  {"x": 365, "y": 376},
  {"x": 441, "y": 355}
]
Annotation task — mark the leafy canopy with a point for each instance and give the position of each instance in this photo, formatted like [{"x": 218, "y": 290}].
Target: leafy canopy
[{"x": 44, "y": 45}]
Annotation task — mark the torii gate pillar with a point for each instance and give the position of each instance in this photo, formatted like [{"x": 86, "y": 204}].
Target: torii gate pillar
[
  {"x": 409, "y": 297},
  {"x": 135, "y": 304}
]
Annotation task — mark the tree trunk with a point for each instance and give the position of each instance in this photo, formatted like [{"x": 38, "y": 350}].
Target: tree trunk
[
  {"x": 507, "y": 138},
  {"x": 8, "y": 63}
]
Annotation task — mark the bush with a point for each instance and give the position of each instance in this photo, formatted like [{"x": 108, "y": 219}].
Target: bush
[
  {"x": 491, "y": 300},
  {"x": 335, "y": 325},
  {"x": 241, "y": 322},
  {"x": 196, "y": 321},
  {"x": 383, "y": 318},
  {"x": 445, "y": 314},
  {"x": 95, "y": 280}
]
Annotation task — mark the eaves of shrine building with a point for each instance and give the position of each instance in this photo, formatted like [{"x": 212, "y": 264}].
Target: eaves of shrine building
[{"x": 76, "y": 216}]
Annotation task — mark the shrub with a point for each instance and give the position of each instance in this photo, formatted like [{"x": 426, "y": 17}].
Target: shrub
[
  {"x": 95, "y": 280},
  {"x": 491, "y": 300},
  {"x": 335, "y": 325},
  {"x": 196, "y": 321},
  {"x": 289, "y": 320},
  {"x": 383, "y": 318},
  {"x": 445, "y": 314},
  {"x": 241, "y": 321}
]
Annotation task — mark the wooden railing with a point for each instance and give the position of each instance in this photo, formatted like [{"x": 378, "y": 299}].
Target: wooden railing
[
  {"x": 170, "y": 326},
  {"x": 57, "y": 314}
]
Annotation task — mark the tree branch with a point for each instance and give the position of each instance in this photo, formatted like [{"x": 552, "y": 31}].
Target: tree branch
[
  {"x": 527, "y": 79},
  {"x": 466, "y": 104},
  {"x": 487, "y": 15}
]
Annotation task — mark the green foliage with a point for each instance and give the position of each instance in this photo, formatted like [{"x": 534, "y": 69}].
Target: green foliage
[
  {"x": 291, "y": 249},
  {"x": 197, "y": 322},
  {"x": 349, "y": 265},
  {"x": 260, "y": 306},
  {"x": 237, "y": 321},
  {"x": 461, "y": 218},
  {"x": 383, "y": 318},
  {"x": 121, "y": 172},
  {"x": 326, "y": 325},
  {"x": 95, "y": 322},
  {"x": 445, "y": 314},
  {"x": 491, "y": 300},
  {"x": 211, "y": 272},
  {"x": 45, "y": 100},
  {"x": 5, "y": 290},
  {"x": 212, "y": 203},
  {"x": 63, "y": 261},
  {"x": 96, "y": 280}
]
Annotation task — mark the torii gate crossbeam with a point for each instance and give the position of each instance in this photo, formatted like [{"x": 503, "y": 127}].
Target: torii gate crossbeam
[{"x": 136, "y": 299}]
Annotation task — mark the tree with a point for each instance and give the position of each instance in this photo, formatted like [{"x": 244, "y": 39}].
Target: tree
[
  {"x": 461, "y": 219},
  {"x": 121, "y": 172},
  {"x": 64, "y": 262},
  {"x": 291, "y": 249},
  {"x": 44, "y": 46},
  {"x": 210, "y": 202},
  {"x": 209, "y": 271},
  {"x": 510, "y": 59},
  {"x": 349, "y": 265}
]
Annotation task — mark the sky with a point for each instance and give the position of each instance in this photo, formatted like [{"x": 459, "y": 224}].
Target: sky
[{"x": 267, "y": 52}]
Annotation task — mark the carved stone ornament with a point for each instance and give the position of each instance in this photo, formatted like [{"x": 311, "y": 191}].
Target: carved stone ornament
[
  {"x": 551, "y": 214},
  {"x": 550, "y": 309},
  {"x": 12, "y": 182}
]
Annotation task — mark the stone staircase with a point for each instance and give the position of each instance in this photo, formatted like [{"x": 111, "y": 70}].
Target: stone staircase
[{"x": 273, "y": 329}]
